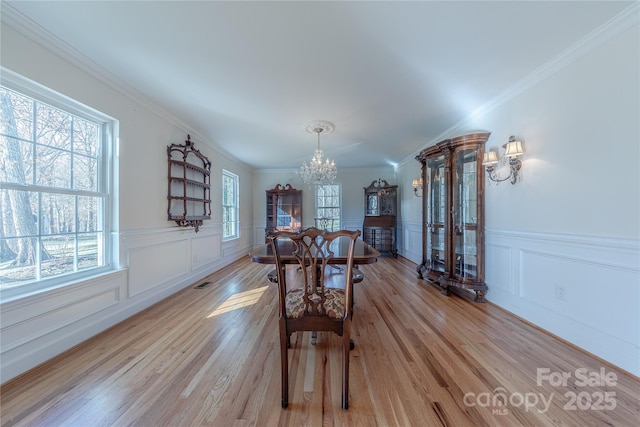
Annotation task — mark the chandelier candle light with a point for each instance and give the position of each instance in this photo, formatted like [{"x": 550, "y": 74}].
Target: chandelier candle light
[{"x": 317, "y": 171}]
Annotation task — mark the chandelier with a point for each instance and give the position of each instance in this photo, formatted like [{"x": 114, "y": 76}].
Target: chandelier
[{"x": 317, "y": 171}]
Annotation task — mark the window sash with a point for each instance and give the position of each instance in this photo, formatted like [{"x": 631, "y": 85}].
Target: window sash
[
  {"x": 230, "y": 217},
  {"x": 328, "y": 204},
  {"x": 71, "y": 216}
]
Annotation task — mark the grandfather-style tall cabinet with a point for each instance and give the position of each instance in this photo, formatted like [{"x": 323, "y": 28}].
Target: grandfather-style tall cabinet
[
  {"x": 284, "y": 208},
  {"x": 453, "y": 214},
  {"x": 379, "y": 227}
]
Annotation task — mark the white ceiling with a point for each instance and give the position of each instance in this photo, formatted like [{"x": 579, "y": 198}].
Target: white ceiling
[{"x": 391, "y": 76}]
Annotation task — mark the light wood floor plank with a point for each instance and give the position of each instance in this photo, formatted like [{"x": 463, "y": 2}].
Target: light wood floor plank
[{"x": 210, "y": 357}]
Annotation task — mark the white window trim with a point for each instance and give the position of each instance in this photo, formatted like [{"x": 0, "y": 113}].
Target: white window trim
[
  {"x": 109, "y": 127},
  {"x": 236, "y": 180}
]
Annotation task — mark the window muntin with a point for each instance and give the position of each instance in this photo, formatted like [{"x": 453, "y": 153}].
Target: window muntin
[
  {"x": 230, "y": 219},
  {"x": 53, "y": 188},
  {"x": 328, "y": 206}
]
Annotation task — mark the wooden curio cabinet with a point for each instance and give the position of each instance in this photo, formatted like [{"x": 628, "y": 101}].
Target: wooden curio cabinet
[
  {"x": 453, "y": 214},
  {"x": 284, "y": 208},
  {"x": 379, "y": 227},
  {"x": 189, "y": 186}
]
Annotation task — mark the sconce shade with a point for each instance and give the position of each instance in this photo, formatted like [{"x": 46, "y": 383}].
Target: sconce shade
[
  {"x": 513, "y": 149},
  {"x": 496, "y": 165},
  {"x": 417, "y": 187},
  {"x": 490, "y": 158}
]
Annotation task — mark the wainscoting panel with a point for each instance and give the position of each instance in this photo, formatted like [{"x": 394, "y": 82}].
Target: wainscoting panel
[
  {"x": 152, "y": 266},
  {"x": 37, "y": 327},
  {"x": 56, "y": 308},
  {"x": 583, "y": 289},
  {"x": 499, "y": 269},
  {"x": 258, "y": 235},
  {"x": 205, "y": 250},
  {"x": 411, "y": 245},
  {"x": 579, "y": 288},
  {"x": 240, "y": 247},
  {"x": 18, "y": 328}
]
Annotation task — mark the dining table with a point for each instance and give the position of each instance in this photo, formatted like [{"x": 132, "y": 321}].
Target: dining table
[{"x": 363, "y": 252}]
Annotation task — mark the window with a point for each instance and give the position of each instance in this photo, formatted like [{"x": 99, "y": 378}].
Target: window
[
  {"x": 229, "y": 205},
  {"x": 328, "y": 207},
  {"x": 54, "y": 193}
]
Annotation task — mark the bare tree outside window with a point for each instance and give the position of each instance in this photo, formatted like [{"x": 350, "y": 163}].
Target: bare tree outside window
[{"x": 51, "y": 207}]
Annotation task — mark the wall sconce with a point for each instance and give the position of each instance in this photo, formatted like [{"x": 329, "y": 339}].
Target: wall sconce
[
  {"x": 497, "y": 167},
  {"x": 417, "y": 187}
]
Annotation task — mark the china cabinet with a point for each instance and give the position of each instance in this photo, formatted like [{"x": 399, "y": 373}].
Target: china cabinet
[
  {"x": 453, "y": 214},
  {"x": 284, "y": 208},
  {"x": 189, "y": 185},
  {"x": 379, "y": 227}
]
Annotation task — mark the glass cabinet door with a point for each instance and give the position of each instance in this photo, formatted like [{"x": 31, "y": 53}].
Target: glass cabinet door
[
  {"x": 372, "y": 204},
  {"x": 283, "y": 214},
  {"x": 435, "y": 205},
  {"x": 284, "y": 209},
  {"x": 296, "y": 211},
  {"x": 288, "y": 212},
  {"x": 465, "y": 213}
]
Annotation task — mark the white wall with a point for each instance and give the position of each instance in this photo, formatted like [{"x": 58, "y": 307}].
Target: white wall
[
  {"x": 352, "y": 182},
  {"x": 572, "y": 223},
  {"x": 154, "y": 257}
]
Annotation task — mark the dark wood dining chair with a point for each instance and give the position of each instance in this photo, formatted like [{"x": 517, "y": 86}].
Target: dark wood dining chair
[
  {"x": 327, "y": 224},
  {"x": 312, "y": 296}
]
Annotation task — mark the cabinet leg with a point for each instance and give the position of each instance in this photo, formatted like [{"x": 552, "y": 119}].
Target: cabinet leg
[
  {"x": 445, "y": 290},
  {"x": 480, "y": 296}
]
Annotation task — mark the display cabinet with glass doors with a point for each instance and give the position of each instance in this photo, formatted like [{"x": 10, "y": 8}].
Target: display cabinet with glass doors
[
  {"x": 283, "y": 208},
  {"x": 453, "y": 214},
  {"x": 379, "y": 225}
]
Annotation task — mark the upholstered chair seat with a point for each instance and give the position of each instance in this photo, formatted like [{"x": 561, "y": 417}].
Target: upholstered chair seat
[{"x": 333, "y": 305}]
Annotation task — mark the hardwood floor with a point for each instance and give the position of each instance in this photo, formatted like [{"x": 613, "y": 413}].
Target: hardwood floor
[{"x": 210, "y": 357}]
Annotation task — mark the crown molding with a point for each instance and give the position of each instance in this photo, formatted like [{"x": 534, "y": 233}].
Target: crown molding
[
  {"x": 39, "y": 35},
  {"x": 605, "y": 32},
  {"x": 28, "y": 28},
  {"x": 620, "y": 23}
]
